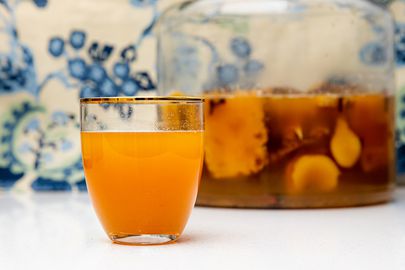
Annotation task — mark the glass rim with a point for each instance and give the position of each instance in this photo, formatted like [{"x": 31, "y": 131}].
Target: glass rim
[{"x": 142, "y": 100}]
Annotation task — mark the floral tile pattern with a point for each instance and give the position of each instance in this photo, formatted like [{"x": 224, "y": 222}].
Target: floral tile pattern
[
  {"x": 40, "y": 83},
  {"x": 398, "y": 10}
]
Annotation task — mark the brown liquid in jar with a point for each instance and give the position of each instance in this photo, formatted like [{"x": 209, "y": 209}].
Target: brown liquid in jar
[{"x": 273, "y": 149}]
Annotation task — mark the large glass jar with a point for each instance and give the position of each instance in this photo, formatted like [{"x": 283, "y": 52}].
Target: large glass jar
[{"x": 299, "y": 98}]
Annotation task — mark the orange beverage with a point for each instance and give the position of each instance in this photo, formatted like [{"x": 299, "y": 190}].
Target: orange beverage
[
  {"x": 272, "y": 149},
  {"x": 143, "y": 183}
]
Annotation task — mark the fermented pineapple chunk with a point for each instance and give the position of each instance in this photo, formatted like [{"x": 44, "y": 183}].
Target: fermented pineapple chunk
[
  {"x": 236, "y": 136},
  {"x": 312, "y": 173}
]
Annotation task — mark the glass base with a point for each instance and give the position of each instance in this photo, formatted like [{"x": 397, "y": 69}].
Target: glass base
[{"x": 143, "y": 239}]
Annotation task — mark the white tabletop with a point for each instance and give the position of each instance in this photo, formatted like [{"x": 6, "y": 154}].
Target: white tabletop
[{"x": 60, "y": 231}]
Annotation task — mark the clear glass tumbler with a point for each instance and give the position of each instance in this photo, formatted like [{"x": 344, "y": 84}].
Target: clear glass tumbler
[{"x": 142, "y": 159}]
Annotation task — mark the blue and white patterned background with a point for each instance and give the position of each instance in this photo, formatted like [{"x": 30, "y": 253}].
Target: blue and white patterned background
[
  {"x": 52, "y": 53},
  {"x": 398, "y": 10}
]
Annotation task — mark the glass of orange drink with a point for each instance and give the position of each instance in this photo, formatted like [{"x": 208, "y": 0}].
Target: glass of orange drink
[{"x": 142, "y": 159}]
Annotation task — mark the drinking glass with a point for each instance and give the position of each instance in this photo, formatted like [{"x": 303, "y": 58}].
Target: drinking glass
[{"x": 142, "y": 159}]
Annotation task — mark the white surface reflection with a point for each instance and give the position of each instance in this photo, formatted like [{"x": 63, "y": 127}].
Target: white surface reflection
[{"x": 61, "y": 231}]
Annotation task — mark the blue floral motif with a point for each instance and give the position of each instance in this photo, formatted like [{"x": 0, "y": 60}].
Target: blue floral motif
[
  {"x": 76, "y": 167},
  {"x": 8, "y": 178},
  {"x": 373, "y": 54},
  {"x": 128, "y": 54},
  {"x": 56, "y": 46},
  {"x": 81, "y": 185},
  {"x": 144, "y": 81},
  {"x": 97, "y": 73},
  {"x": 100, "y": 53},
  {"x": 227, "y": 74},
  {"x": 143, "y": 3},
  {"x": 105, "y": 106},
  {"x": 25, "y": 148},
  {"x": 121, "y": 70},
  {"x": 400, "y": 61},
  {"x": 41, "y": 3},
  {"x": 27, "y": 56},
  {"x": 400, "y": 44},
  {"x": 77, "y": 39},
  {"x": 88, "y": 92},
  {"x": 401, "y": 158},
  {"x": 240, "y": 46},
  {"x": 31, "y": 137},
  {"x": 77, "y": 68},
  {"x": 108, "y": 88},
  {"x": 17, "y": 71},
  {"x": 124, "y": 110},
  {"x": 240, "y": 69},
  {"x": 43, "y": 184},
  {"x": 253, "y": 67},
  {"x": 66, "y": 145},
  {"x": 94, "y": 79},
  {"x": 402, "y": 113},
  {"x": 8, "y": 127},
  {"x": 32, "y": 125},
  {"x": 239, "y": 72},
  {"x": 59, "y": 118},
  {"x": 14, "y": 145},
  {"x": 129, "y": 87}
]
